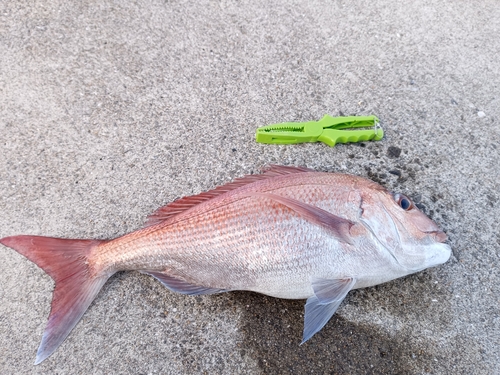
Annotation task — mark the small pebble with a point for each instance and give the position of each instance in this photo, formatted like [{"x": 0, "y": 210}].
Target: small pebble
[{"x": 481, "y": 114}]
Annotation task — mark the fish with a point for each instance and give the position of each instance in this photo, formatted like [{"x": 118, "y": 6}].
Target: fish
[{"x": 289, "y": 232}]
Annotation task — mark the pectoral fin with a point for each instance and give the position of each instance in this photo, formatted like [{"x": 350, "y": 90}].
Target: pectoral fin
[
  {"x": 338, "y": 226},
  {"x": 328, "y": 295}
]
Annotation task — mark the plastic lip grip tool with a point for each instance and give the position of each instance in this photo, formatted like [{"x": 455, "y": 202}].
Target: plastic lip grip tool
[{"x": 329, "y": 130}]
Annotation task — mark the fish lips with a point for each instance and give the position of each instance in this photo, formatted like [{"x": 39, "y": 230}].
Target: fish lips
[
  {"x": 438, "y": 236},
  {"x": 444, "y": 254},
  {"x": 441, "y": 254}
]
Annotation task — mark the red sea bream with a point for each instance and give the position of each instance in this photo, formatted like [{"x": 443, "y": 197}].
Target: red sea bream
[{"x": 288, "y": 233}]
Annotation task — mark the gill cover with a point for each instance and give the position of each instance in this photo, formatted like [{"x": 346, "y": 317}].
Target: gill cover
[{"x": 413, "y": 239}]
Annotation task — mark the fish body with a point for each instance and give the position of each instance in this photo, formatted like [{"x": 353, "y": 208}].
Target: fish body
[{"x": 287, "y": 233}]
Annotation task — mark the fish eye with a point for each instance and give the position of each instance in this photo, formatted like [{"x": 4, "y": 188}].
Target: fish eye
[{"x": 404, "y": 202}]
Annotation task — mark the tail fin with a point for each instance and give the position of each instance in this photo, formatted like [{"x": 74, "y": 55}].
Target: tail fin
[{"x": 66, "y": 261}]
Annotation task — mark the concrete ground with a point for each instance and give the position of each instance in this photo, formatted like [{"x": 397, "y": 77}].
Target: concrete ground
[{"x": 110, "y": 109}]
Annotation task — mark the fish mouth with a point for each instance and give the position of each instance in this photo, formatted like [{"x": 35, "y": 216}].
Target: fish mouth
[{"x": 438, "y": 235}]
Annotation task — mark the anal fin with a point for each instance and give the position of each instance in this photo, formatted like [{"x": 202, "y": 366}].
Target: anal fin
[{"x": 181, "y": 286}]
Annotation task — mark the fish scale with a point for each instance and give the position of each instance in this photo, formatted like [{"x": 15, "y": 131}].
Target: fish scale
[{"x": 288, "y": 233}]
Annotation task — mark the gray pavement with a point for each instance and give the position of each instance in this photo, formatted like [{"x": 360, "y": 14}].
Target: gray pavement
[{"x": 110, "y": 109}]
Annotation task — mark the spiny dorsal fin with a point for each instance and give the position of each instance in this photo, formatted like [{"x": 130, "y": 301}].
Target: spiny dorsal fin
[{"x": 184, "y": 204}]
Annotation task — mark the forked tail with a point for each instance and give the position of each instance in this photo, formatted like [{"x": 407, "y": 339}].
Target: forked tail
[{"x": 66, "y": 261}]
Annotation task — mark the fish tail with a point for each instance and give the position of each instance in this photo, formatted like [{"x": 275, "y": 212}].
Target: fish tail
[{"x": 76, "y": 285}]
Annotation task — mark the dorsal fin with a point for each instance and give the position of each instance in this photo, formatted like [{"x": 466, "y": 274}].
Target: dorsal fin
[{"x": 183, "y": 204}]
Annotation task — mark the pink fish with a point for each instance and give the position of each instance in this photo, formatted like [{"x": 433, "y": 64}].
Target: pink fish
[{"x": 288, "y": 233}]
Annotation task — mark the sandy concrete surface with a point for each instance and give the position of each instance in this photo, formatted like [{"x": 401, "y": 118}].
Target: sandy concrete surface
[{"x": 110, "y": 109}]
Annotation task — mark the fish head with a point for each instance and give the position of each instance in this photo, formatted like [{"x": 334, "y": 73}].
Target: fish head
[{"x": 414, "y": 241}]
